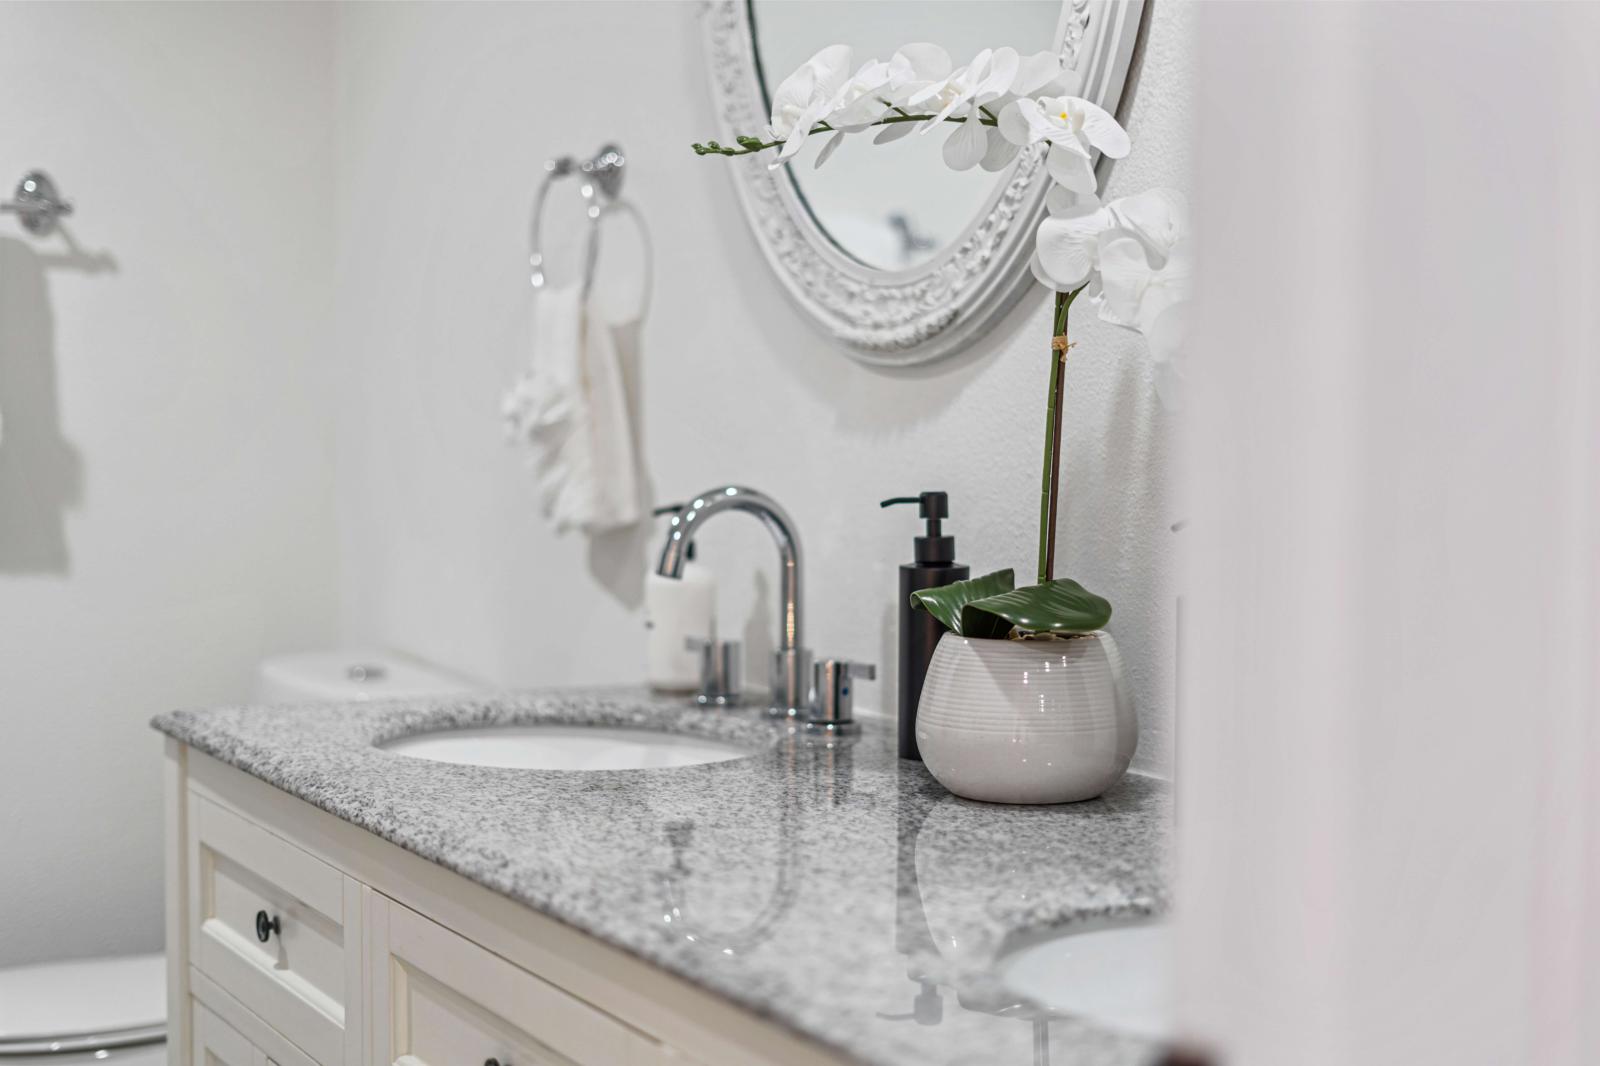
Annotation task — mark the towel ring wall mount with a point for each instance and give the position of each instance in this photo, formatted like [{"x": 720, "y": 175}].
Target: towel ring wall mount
[
  {"x": 37, "y": 203},
  {"x": 601, "y": 178}
]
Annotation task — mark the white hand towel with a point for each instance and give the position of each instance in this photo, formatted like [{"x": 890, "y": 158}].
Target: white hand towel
[{"x": 573, "y": 410}]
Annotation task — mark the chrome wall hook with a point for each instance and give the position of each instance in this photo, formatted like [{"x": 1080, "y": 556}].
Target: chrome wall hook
[
  {"x": 37, "y": 203},
  {"x": 606, "y": 170}
]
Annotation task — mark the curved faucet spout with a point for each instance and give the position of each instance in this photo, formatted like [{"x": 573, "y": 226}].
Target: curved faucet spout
[
  {"x": 686, "y": 523},
  {"x": 790, "y": 669}
]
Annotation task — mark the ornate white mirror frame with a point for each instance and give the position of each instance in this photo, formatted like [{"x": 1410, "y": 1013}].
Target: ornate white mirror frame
[{"x": 904, "y": 317}]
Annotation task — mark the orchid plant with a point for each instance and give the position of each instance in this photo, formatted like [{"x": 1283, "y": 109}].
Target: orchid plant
[{"x": 1130, "y": 258}]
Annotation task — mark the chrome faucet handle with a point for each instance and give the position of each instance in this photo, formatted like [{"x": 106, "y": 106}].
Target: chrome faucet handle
[
  {"x": 791, "y": 673},
  {"x": 720, "y": 668},
  {"x": 833, "y": 699}
]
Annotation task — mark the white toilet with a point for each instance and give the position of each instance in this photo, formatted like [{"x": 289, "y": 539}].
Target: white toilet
[
  {"x": 85, "y": 1012},
  {"x": 113, "y": 1010},
  {"x": 323, "y": 676}
]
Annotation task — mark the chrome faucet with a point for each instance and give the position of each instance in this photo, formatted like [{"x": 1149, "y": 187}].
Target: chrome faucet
[{"x": 791, "y": 663}]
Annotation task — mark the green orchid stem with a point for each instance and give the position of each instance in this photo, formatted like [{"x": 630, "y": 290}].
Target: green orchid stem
[
  {"x": 752, "y": 145},
  {"x": 1050, "y": 490}
]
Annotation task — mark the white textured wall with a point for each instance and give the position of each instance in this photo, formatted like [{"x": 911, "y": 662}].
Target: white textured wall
[
  {"x": 446, "y": 114},
  {"x": 165, "y": 488}
]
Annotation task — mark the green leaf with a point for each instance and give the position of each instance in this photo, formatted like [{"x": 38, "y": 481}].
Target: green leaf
[
  {"x": 946, "y": 603},
  {"x": 1061, "y": 606}
]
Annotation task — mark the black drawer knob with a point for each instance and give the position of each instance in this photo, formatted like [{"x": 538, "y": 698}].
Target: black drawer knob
[
  {"x": 266, "y": 926},
  {"x": 493, "y": 1062}
]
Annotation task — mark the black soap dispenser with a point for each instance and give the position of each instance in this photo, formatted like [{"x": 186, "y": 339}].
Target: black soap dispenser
[{"x": 934, "y": 565}]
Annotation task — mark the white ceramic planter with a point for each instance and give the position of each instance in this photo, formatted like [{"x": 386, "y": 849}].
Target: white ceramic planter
[{"x": 1026, "y": 721}]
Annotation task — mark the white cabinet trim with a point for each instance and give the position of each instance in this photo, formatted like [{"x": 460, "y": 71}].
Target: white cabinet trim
[{"x": 174, "y": 798}]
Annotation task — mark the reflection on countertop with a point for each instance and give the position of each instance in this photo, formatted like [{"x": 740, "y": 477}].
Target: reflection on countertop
[{"x": 822, "y": 883}]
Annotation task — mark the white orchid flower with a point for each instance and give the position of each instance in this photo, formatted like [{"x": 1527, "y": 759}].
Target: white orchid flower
[
  {"x": 1066, "y": 246},
  {"x": 1037, "y": 73},
  {"x": 1146, "y": 271},
  {"x": 1132, "y": 259},
  {"x": 1160, "y": 217},
  {"x": 1133, "y": 252},
  {"x": 998, "y": 152},
  {"x": 859, "y": 101},
  {"x": 874, "y": 90},
  {"x": 986, "y": 79},
  {"x": 1136, "y": 289},
  {"x": 1040, "y": 74},
  {"x": 1166, "y": 337},
  {"x": 1073, "y": 127},
  {"x": 1145, "y": 259},
  {"x": 990, "y": 73},
  {"x": 912, "y": 69},
  {"x": 804, "y": 98},
  {"x": 1062, "y": 201},
  {"x": 858, "y": 104}
]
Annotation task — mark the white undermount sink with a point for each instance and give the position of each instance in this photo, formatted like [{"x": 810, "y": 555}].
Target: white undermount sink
[
  {"x": 1117, "y": 977},
  {"x": 564, "y": 747}
]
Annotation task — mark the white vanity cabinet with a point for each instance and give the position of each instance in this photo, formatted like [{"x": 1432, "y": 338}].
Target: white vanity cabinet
[{"x": 297, "y": 939}]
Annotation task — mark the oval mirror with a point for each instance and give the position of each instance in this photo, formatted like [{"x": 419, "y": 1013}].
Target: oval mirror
[{"x": 892, "y": 253}]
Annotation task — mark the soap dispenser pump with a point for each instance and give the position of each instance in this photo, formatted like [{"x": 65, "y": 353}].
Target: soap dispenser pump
[{"x": 933, "y": 564}]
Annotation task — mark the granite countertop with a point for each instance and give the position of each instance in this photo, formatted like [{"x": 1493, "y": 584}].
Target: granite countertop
[{"x": 825, "y": 885}]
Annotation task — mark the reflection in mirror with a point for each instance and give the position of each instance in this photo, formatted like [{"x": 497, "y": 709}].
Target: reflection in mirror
[{"x": 892, "y": 206}]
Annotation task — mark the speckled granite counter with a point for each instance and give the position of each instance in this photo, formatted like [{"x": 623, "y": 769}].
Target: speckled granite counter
[{"x": 829, "y": 887}]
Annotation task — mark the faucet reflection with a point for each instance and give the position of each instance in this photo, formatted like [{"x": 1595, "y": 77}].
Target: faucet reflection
[{"x": 680, "y": 918}]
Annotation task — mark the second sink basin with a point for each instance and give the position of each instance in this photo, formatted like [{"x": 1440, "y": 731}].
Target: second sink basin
[
  {"x": 564, "y": 747},
  {"x": 1117, "y": 977}
]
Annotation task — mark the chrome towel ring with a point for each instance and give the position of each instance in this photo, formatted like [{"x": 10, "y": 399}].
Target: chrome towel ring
[{"x": 601, "y": 183}]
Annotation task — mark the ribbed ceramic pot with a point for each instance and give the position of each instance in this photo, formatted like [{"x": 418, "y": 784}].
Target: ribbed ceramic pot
[{"x": 1026, "y": 721}]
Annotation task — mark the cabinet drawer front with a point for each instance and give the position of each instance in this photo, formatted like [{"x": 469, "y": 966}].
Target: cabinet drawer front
[
  {"x": 304, "y": 980},
  {"x": 441, "y": 1000},
  {"x": 442, "y": 1026},
  {"x": 216, "y": 1043}
]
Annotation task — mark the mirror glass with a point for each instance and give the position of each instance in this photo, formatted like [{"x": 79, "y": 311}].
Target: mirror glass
[{"x": 892, "y": 206}]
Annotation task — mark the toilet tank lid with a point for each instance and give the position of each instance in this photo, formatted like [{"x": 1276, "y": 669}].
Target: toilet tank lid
[
  {"x": 81, "y": 998},
  {"x": 349, "y": 674}
]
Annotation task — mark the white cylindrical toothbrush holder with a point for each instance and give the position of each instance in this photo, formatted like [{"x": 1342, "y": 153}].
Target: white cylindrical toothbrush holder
[{"x": 675, "y": 610}]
